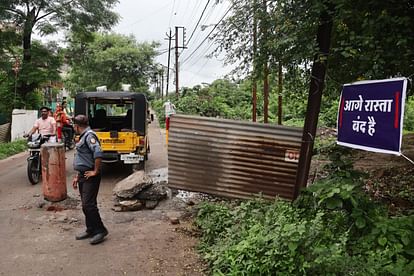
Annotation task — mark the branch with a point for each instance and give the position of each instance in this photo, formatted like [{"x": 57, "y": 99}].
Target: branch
[
  {"x": 18, "y": 12},
  {"x": 27, "y": 7},
  {"x": 43, "y": 16}
]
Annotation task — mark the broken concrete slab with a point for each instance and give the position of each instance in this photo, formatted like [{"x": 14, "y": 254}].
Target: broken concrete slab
[
  {"x": 155, "y": 192},
  {"x": 132, "y": 185},
  {"x": 151, "y": 204}
]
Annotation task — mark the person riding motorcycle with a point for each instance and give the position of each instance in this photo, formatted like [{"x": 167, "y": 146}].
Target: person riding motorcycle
[
  {"x": 61, "y": 120},
  {"x": 46, "y": 125}
]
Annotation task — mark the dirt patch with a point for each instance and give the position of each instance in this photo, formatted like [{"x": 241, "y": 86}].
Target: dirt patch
[{"x": 389, "y": 177}]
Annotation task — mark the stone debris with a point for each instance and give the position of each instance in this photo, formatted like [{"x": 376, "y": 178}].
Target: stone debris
[
  {"x": 174, "y": 221},
  {"x": 156, "y": 192},
  {"x": 141, "y": 190},
  {"x": 132, "y": 185},
  {"x": 128, "y": 205},
  {"x": 151, "y": 204}
]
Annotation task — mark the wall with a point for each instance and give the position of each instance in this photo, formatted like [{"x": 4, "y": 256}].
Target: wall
[{"x": 22, "y": 122}]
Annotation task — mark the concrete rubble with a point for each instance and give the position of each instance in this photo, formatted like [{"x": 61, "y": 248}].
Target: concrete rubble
[{"x": 141, "y": 190}]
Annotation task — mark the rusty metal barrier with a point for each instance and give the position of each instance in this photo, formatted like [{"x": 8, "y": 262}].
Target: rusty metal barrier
[
  {"x": 231, "y": 158},
  {"x": 5, "y": 133}
]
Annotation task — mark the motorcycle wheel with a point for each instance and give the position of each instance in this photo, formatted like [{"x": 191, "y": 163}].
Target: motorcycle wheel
[
  {"x": 71, "y": 145},
  {"x": 33, "y": 171}
]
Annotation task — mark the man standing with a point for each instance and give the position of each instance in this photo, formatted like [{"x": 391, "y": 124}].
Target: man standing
[
  {"x": 45, "y": 125},
  {"x": 87, "y": 163}
]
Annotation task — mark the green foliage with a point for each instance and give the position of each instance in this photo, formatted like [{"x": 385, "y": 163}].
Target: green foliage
[
  {"x": 333, "y": 228},
  {"x": 409, "y": 114},
  {"x": 45, "y": 17},
  {"x": 111, "y": 60},
  {"x": 8, "y": 149}
]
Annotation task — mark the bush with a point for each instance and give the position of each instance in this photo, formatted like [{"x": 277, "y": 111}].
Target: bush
[
  {"x": 8, "y": 149},
  {"x": 333, "y": 228}
]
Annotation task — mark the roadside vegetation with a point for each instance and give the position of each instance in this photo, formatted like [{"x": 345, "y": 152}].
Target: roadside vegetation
[
  {"x": 9, "y": 149},
  {"x": 333, "y": 228}
]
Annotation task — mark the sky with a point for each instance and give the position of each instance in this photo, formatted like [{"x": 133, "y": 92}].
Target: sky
[{"x": 152, "y": 20}]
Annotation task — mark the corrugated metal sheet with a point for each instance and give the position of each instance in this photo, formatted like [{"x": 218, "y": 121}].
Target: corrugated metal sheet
[
  {"x": 5, "y": 133},
  {"x": 232, "y": 158}
]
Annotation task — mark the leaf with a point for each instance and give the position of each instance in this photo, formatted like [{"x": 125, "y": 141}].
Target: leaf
[
  {"x": 292, "y": 246},
  {"x": 382, "y": 241},
  {"x": 360, "y": 222},
  {"x": 405, "y": 240},
  {"x": 332, "y": 203}
]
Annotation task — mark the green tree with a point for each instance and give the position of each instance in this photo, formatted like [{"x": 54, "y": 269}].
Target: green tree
[
  {"x": 43, "y": 69},
  {"x": 47, "y": 17},
  {"x": 110, "y": 59}
]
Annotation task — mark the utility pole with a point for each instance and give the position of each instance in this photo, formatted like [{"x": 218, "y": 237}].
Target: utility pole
[
  {"x": 317, "y": 81},
  {"x": 176, "y": 62},
  {"x": 168, "y": 64},
  {"x": 162, "y": 83},
  {"x": 177, "y": 87}
]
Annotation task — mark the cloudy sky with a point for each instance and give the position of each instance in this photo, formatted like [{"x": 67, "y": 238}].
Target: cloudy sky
[{"x": 151, "y": 21}]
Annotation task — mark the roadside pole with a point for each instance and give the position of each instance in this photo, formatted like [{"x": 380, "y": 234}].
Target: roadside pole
[{"x": 314, "y": 100}]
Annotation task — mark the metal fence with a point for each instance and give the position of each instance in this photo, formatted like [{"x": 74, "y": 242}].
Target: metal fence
[
  {"x": 5, "y": 133},
  {"x": 232, "y": 158}
]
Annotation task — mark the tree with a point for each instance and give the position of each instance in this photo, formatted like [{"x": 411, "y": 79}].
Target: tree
[
  {"x": 370, "y": 40},
  {"x": 42, "y": 70},
  {"x": 110, "y": 59},
  {"x": 49, "y": 16}
]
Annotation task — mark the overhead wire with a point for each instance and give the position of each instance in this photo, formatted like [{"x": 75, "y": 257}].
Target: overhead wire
[
  {"x": 204, "y": 21},
  {"x": 198, "y": 22},
  {"x": 207, "y": 37},
  {"x": 172, "y": 13}
]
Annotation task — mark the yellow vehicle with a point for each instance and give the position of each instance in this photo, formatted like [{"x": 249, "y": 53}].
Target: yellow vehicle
[{"x": 120, "y": 122}]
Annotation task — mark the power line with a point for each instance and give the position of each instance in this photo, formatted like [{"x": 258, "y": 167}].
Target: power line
[
  {"x": 198, "y": 22},
  {"x": 207, "y": 37},
  {"x": 172, "y": 13}
]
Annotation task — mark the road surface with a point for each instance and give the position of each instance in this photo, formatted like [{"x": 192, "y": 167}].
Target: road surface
[{"x": 34, "y": 241}]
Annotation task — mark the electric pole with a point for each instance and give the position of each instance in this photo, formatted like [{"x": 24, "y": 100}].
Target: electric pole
[
  {"x": 177, "y": 46},
  {"x": 168, "y": 64},
  {"x": 176, "y": 61}
]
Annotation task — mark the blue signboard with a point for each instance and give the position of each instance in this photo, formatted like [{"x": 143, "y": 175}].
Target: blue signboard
[{"x": 370, "y": 115}]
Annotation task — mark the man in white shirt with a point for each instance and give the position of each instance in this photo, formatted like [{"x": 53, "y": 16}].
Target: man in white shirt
[
  {"x": 169, "y": 108},
  {"x": 46, "y": 125}
]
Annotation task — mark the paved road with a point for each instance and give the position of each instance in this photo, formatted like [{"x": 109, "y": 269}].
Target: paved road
[{"x": 39, "y": 242}]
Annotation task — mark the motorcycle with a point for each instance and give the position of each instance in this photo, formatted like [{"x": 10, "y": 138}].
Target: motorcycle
[{"x": 34, "y": 164}]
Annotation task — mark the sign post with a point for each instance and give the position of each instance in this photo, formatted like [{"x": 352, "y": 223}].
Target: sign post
[{"x": 370, "y": 115}]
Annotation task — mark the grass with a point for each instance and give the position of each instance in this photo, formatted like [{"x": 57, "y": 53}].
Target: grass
[{"x": 12, "y": 148}]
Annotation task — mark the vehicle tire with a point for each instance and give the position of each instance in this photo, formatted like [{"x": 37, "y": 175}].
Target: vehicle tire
[
  {"x": 140, "y": 166},
  {"x": 71, "y": 145},
  {"x": 33, "y": 171}
]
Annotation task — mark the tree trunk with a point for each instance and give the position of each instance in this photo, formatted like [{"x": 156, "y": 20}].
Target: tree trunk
[
  {"x": 24, "y": 87},
  {"x": 254, "y": 79},
  {"x": 280, "y": 86},
  {"x": 317, "y": 81},
  {"x": 266, "y": 93}
]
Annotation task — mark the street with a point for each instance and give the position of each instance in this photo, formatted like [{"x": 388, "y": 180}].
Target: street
[{"x": 35, "y": 241}]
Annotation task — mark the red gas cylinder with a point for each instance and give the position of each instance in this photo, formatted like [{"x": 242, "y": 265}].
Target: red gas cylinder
[{"x": 53, "y": 172}]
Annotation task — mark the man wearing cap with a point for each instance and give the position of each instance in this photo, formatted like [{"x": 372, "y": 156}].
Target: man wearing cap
[
  {"x": 45, "y": 125},
  {"x": 87, "y": 163}
]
